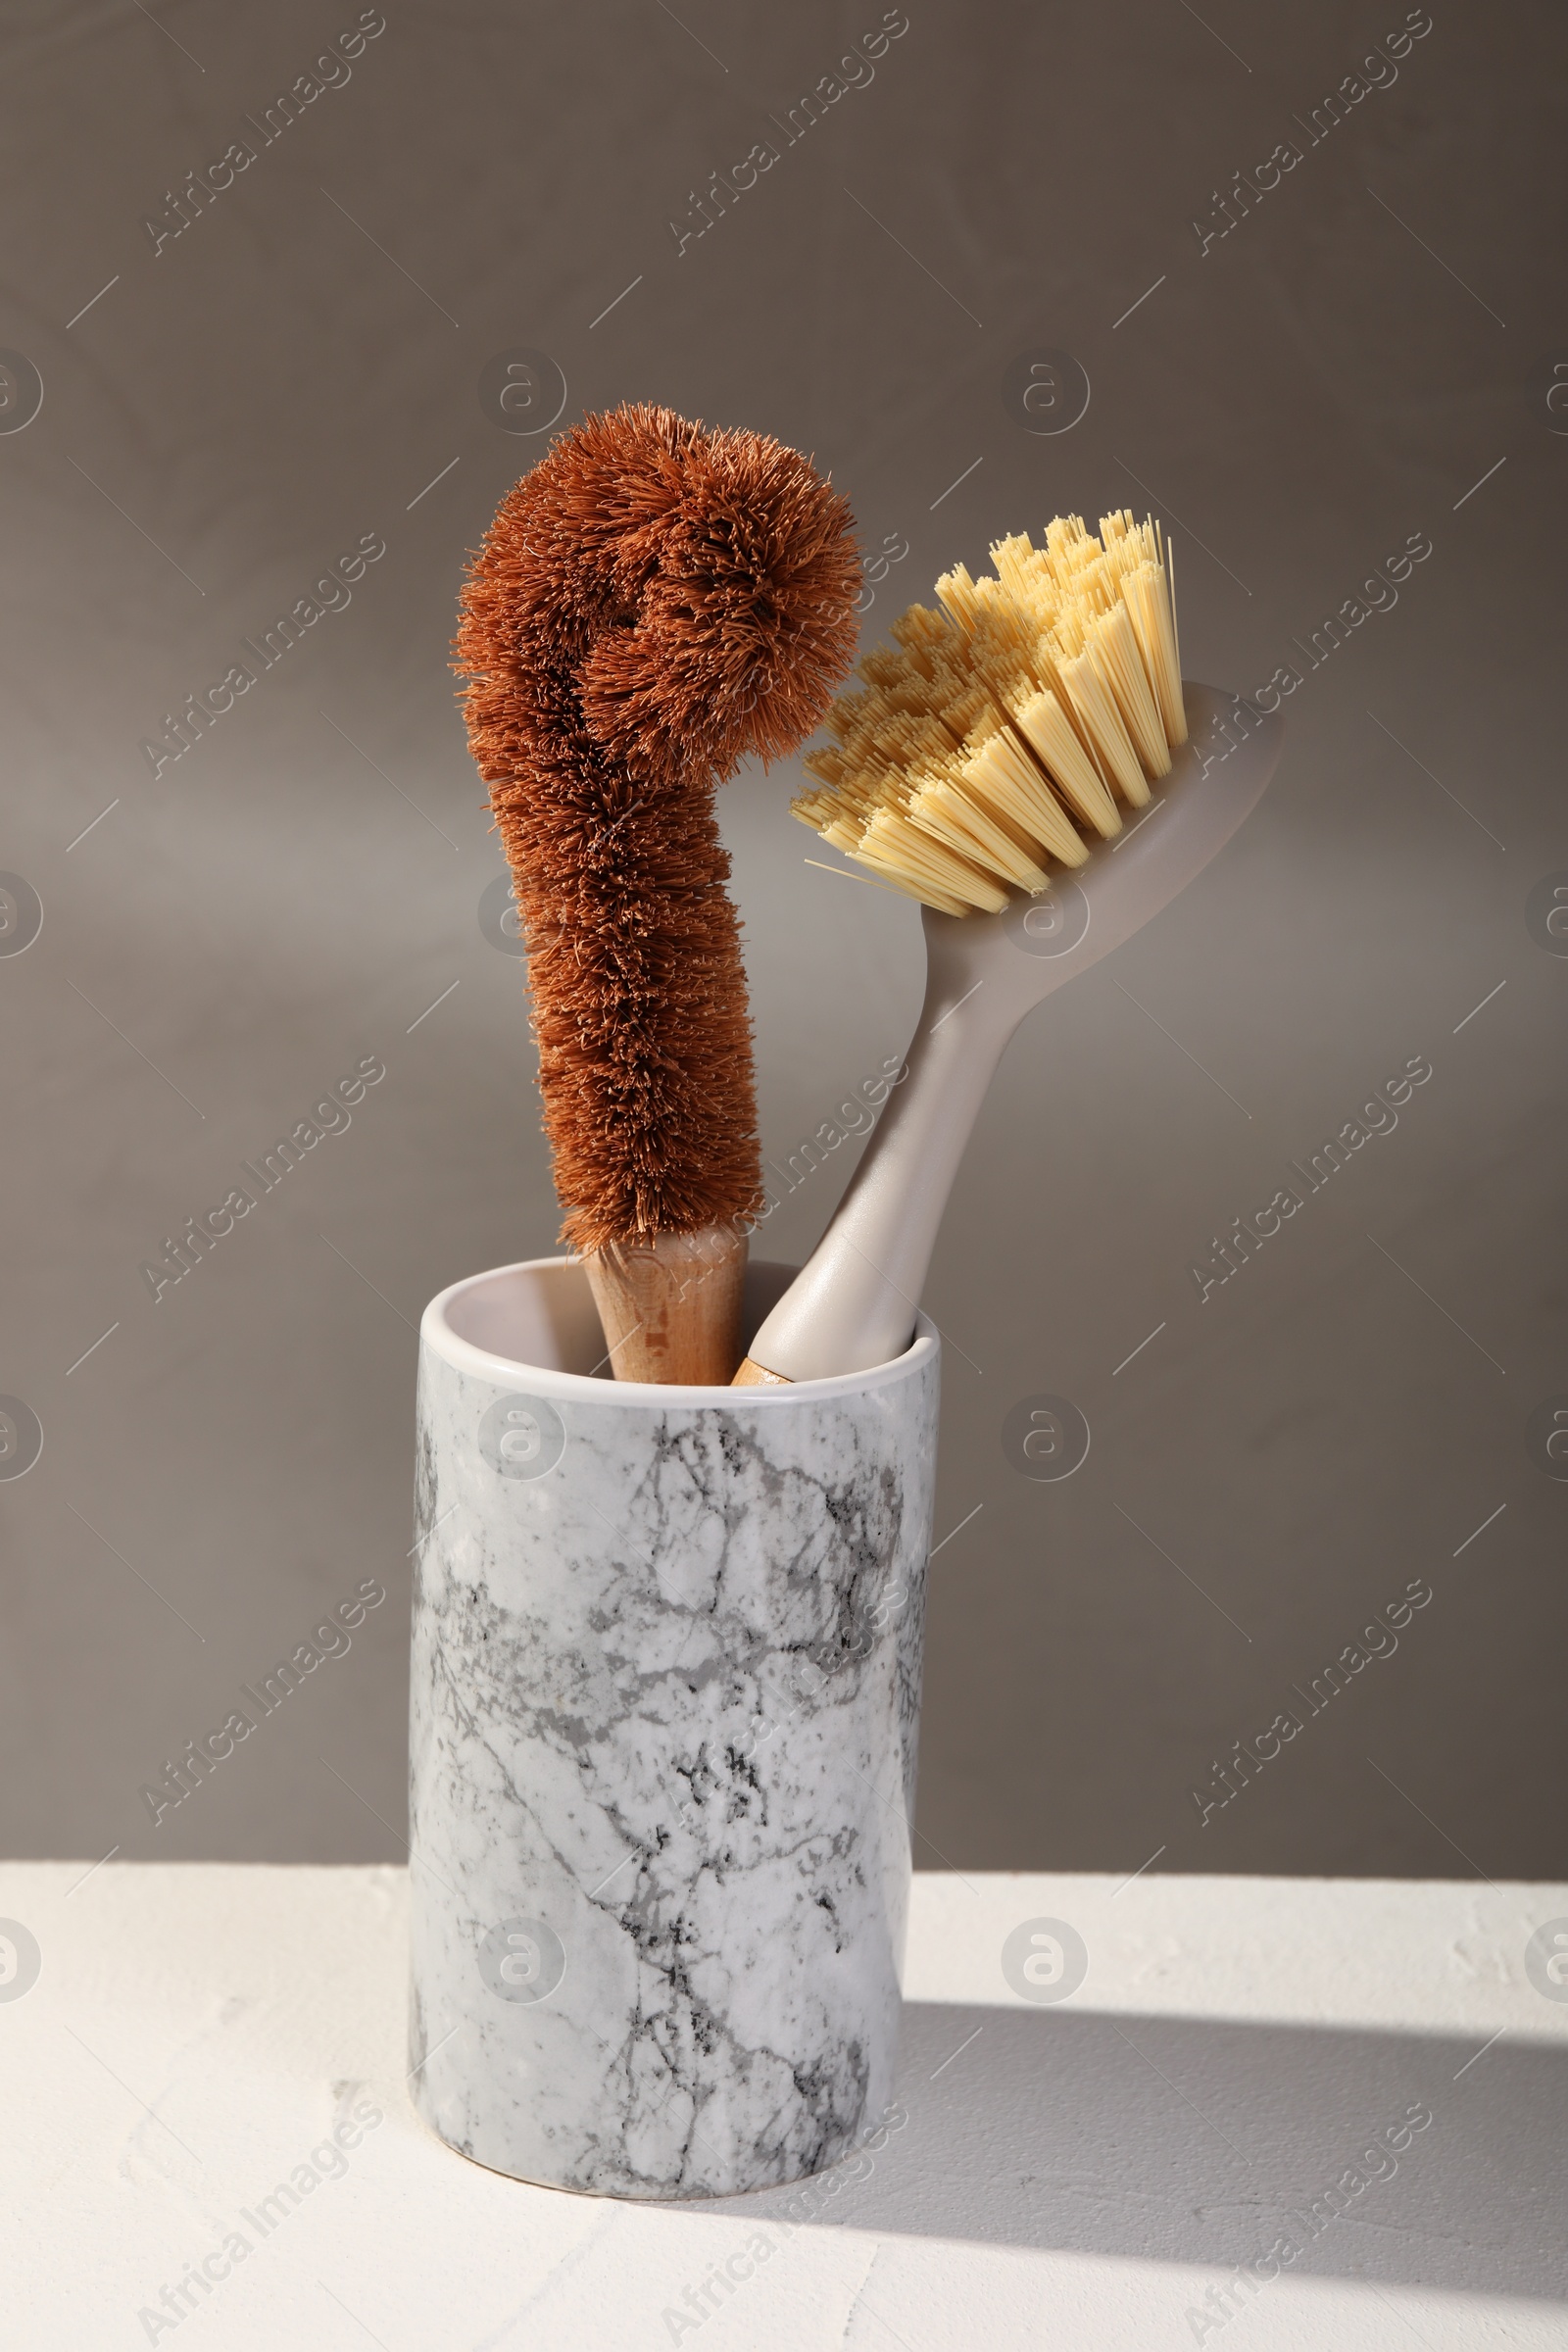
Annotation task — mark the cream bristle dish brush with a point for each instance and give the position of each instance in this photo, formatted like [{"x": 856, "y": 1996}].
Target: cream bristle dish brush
[
  {"x": 986, "y": 766},
  {"x": 652, "y": 602}
]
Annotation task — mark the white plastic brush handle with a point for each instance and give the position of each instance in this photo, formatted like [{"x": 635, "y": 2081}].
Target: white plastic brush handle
[{"x": 852, "y": 1305}]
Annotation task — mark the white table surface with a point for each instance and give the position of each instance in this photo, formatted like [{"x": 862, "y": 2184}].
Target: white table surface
[{"x": 1072, "y": 2174}]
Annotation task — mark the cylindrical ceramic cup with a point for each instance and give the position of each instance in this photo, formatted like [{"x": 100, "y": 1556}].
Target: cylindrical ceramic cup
[{"x": 665, "y": 1695}]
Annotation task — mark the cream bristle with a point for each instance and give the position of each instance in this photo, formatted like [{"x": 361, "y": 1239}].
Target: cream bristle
[
  {"x": 962, "y": 821},
  {"x": 922, "y": 629},
  {"x": 829, "y": 763},
  {"x": 1089, "y": 688},
  {"x": 1021, "y": 569},
  {"x": 1116, "y": 637},
  {"x": 956, "y": 591},
  {"x": 843, "y": 713},
  {"x": 980, "y": 747},
  {"x": 1002, "y": 769},
  {"x": 895, "y": 843},
  {"x": 973, "y": 709},
  {"x": 885, "y": 668},
  {"x": 1050, "y": 735}
]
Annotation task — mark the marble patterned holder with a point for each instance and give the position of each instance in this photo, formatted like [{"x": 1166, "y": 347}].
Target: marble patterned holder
[{"x": 665, "y": 1704}]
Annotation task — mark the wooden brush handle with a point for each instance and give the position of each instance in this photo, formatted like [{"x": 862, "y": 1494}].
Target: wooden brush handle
[{"x": 670, "y": 1307}]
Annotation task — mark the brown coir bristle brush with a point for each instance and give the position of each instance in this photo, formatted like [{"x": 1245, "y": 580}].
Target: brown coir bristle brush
[{"x": 652, "y": 602}]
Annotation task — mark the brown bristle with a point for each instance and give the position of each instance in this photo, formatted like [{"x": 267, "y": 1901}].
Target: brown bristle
[{"x": 652, "y": 602}]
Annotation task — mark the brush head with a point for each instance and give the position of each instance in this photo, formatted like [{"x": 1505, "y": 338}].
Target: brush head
[
  {"x": 991, "y": 744},
  {"x": 652, "y": 602}
]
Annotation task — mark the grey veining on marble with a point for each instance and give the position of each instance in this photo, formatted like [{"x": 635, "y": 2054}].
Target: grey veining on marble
[{"x": 663, "y": 1716}]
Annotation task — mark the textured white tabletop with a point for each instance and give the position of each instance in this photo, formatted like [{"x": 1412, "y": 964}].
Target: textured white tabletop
[{"x": 1358, "y": 2088}]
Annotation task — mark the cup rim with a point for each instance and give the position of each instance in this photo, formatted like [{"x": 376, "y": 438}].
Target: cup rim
[{"x": 462, "y": 1356}]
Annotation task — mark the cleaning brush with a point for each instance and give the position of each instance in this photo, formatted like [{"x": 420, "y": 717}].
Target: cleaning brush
[
  {"x": 653, "y": 602},
  {"x": 984, "y": 760},
  {"x": 998, "y": 735}
]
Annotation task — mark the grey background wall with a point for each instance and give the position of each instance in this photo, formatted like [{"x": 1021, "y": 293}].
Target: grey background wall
[{"x": 1365, "y": 356}]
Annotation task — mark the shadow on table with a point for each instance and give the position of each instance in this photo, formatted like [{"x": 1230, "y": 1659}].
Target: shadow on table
[{"x": 1195, "y": 2142}]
